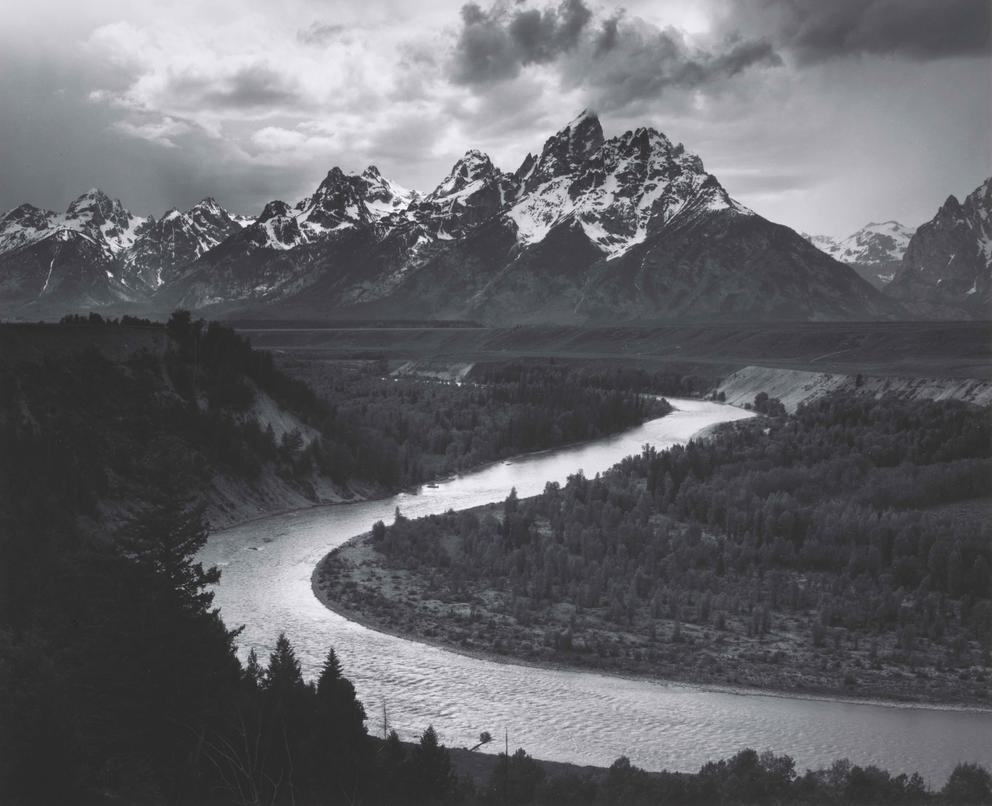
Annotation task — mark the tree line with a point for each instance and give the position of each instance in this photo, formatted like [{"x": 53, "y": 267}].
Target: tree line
[{"x": 400, "y": 431}]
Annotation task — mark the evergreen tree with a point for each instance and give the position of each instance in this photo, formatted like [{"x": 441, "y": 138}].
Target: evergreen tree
[
  {"x": 283, "y": 673},
  {"x": 336, "y": 696},
  {"x": 431, "y": 779},
  {"x": 167, "y": 537}
]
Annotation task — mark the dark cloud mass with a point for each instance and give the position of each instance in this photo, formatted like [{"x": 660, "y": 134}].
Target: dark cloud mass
[
  {"x": 820, "y": 30},
  {"x": 632, "y": 61},
  {"x": 494, "y": 45},
  {"x": 619, "y": 60}
]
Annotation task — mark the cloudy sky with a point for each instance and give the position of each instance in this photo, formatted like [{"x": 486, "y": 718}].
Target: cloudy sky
[{"x": 821, "y": 115}]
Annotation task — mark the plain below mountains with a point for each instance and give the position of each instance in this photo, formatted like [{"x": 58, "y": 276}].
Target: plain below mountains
[{"x": 587, "y": 229}]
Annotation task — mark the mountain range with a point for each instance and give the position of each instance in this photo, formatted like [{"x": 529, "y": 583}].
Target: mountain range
[
  {"x": 875, "y": 251},
  {"x": 587, "y": 229}
]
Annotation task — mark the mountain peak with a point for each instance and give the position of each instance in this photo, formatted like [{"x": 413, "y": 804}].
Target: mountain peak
[
  {"x": 474, "y": 166},
  {"x": 474, "y": 160},
  {"x": 334, "y": 177},
  {"x": 585, "y": 114},
  {"x": 93, "y": 199},
  {"x": 950, "y": 205},
  {"x": 584, "y": 134},
  {"x": 274, "y": 209}
]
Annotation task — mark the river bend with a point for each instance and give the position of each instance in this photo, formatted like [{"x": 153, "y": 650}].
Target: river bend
[{"x": 581, "y": 717}]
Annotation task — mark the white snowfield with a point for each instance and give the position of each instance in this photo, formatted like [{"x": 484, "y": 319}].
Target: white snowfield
[{"x": 883, "y": 242}]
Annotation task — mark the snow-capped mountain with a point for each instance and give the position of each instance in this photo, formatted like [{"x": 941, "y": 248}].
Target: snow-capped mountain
[
  {"x": 67, "y": 258},
  {"x": 875, "y": 243},
  {"x": 825, "y": 243},
  {"x": 947, "y": 268},
  {"x": 97, "y": 252},
  {"x": 586, "y": 229},
  {"x": 615, "y": 191},
  {"x": 382, "y": 197},
  {"x": 93, "y": 215},
  {"x": 165, "y": 246},
  {"x": 874, "y": 251},
  {"x": 472, "y": 192},
  {"x": 632, "y": 227}
]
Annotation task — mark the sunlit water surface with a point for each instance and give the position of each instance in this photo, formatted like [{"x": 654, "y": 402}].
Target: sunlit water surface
[{"x": 571, "y": 716}]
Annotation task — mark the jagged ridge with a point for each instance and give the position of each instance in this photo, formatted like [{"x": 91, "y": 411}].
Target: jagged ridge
[{"x": 589, "y": 228}]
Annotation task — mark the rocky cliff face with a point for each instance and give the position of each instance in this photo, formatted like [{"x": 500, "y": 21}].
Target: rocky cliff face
[{"x": 947, "y": 269}]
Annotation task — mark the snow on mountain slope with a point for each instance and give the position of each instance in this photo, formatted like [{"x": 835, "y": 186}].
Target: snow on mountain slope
[
  {"x": 383, "y": 197},
  {"x": 472, "y": 192},
  {"x": 587, "y": 229},
  {"x": 98, "y": 252},
  {"x": 874, "y": 243},
  {"x": 176, "y": 240},
  {"x": 619, "y": 190},
  {"x": 92, "y": 215},
  {"x": 874, "y": 251},
  {"x": 825, "y": 243},
  {"x": 23, "y": 225},
  {"x": 96, "y": 215}
]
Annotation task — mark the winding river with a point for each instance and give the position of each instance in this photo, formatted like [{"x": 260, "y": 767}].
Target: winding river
[{"x": 581, "y": 717}]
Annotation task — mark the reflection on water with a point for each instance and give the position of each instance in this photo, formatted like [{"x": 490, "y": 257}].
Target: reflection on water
[{"x": 562, "y": 715}]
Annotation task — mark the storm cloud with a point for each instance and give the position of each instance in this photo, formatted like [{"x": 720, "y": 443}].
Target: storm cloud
[
  {"x": 494, "y": 45},
  {"x": 621, "y": 60},
  {"x": 630, "y": 62},
  {"x": 816, "y": 31}
]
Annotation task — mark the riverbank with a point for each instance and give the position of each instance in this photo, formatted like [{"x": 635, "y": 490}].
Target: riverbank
[{"x": 354, "y": 581}]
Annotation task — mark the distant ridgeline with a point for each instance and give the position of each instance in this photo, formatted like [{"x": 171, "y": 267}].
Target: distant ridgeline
[{"x": 842, "y": 549}]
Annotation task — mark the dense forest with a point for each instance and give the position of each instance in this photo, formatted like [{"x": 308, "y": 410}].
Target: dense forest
[
  {"x": 597, "y": 376},
  {"x": 746, "y": 778},
  {"x": 845, "y": 547},
  {"x": 402, "y": 431}
]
